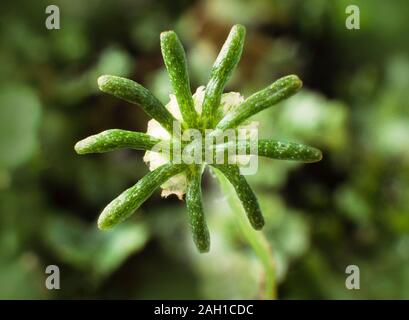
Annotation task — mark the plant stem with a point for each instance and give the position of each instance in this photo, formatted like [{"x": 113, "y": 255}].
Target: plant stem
[{"x": 256, "y": 239}]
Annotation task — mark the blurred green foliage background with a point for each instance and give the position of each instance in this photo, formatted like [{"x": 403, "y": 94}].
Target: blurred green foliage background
[{"x": 350, "y": 208}]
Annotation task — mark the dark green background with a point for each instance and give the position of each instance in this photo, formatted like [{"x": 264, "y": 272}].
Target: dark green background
[{"x": 350, "y": 208}]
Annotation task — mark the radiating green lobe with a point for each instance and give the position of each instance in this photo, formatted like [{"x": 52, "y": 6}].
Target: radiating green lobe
[
  {"x": 128, "y": 201},
  {"x": 222, "y": 69},
  {"x": 244, "y": 193},
  {"x": 281, "y": 89},
  {"x": 133, "y": 92},
  {"x": 273, "y": 149},
  {"x": 175, "y": 61},
  {"x": 287, "y": 151},
  {"x": 114, "y": 139},
  {"x": 197, "y": 220}
]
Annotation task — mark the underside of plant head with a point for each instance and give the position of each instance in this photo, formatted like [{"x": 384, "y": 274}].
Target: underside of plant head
[{"x": 204, "y": 116}]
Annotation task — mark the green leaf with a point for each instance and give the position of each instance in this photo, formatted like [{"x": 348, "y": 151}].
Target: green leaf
[
  {"x": 175, "y": 62},
  {"x": 128, "y": 201},
  {"x": 222, "y": 69},
  {"x": 281, "y": 89},
  {"x": 287, "y": 151},
  {"x": 245, "y": 194},
  {"x": 113, "y": 139},
  {"x": 133, "y": 92},
  {"x": 197, "y": 220},
  {"x": 275, "y": 150}
]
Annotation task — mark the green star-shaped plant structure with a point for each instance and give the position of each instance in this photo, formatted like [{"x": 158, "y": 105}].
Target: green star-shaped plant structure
[{"x": 208, "y": 109}]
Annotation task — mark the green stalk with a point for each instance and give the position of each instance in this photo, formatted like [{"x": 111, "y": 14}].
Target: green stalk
[
  {"x": 281, "y": 89},
  {"x": 245, "y": 194},
  {"x": 175, "y": 62},
  {"x": 128, "y": 201},
  {"x": 222, "y": 69},
  {"x": 275, "y": 149},
  {"x": 256, "y": 240},
  {"x": 197, "y": 220},
  {"x": 133, "y": 92},
  {"x": 287, "y": 151},
  {"x": 114, "y": 139}
]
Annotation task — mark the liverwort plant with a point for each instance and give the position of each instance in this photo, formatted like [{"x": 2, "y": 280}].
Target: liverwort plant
[{"x": 214, "y": 119}]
